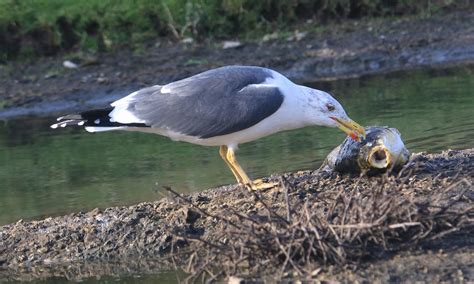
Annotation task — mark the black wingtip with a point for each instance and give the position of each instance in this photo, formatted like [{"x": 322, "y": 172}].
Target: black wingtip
[{"x": 94, "y": 118}]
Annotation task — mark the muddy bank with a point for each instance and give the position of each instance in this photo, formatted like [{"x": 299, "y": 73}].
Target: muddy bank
[
  {"x": 424, "y": 233},
  {"x": 347, "y": 49}
]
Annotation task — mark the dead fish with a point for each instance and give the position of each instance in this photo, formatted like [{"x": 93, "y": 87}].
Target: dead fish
[{"x": 382, "y": 150}]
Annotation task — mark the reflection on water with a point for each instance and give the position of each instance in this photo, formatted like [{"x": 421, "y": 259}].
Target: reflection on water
[
  {"x": 49, "y": 172},
  {"x": 140, "y": 270}
]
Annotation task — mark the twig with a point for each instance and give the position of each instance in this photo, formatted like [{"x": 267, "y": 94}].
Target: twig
[
  {"x": 287, "y": 202},
  {"x": 169, "y": 189}
]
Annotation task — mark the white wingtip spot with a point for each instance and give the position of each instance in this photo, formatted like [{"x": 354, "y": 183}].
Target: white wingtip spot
[
  {"x": 59, "y": 118},
  {"x": 97, "y": 121},
  {"x": 81, "y": 123},
  {"x": 63, "y": 125},
  {"x": 54, "y": 126},
  {"x": 165, "y": 90}
]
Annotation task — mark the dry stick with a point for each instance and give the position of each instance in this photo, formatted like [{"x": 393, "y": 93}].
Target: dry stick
[
  {"x": 308, "y": 218},
  {"x": 250, "y": 231},
  {"x": 270, "y": 221},
  {"x": 435, "y": 179},
  {"x": 459, "y": 222},
  {"x": 457, "y": 174},
  {"x": 269, "y": 210},
  {"x": 404, "y": 225},
  {"x": 199, "y": 209},
  {"x": 212, "y": 275},
  {"x": 307, "y": 236},
  {"x": 287, "y": 202},
  {"x": 282, "y": 249},
  {"x": 456, "y": 200},
  {"x": 201, "y": 270},
  {"x": 290, "y": 246},
  {"x": 451, "y": 187},
  {"x": 245, "y": 217},
  {"x": 440, "y": 213},
  {"x": 372, "y": 225},
  {"x": 334, "y": 202},
  {"x": 336, "y": 256},
  {"x": 175, "y": 266},
  {"x": 311, "y": 245},
  {"x": 331, "y": 229},
  {"x": 411, "y": 170},
  {"x": 441, "y": 234},
  {"x": 190, "y": 260},
  {"x": 285, "y": 263},
  {"x": 348, "y": 204},
  {"x": 205, "y": 242}
]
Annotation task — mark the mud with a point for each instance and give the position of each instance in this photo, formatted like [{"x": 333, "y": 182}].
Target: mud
[
  {"x": 187, "y": 231},
  {"x": 425, "y": 233},
  {"x": 338, "y": 50}
]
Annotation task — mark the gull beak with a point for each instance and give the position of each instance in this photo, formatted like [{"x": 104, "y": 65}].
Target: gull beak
[{"x": 351, "y": 128}]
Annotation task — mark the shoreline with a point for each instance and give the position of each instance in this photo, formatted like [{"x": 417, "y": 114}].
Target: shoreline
[
  {"x": 103, "y": 242},
  {"x": 154, "y": 230},
  {"x": 346, "y": 50}
]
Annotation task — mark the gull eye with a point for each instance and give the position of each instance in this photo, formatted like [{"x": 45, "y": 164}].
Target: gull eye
[{"x": 330, "y": 107}]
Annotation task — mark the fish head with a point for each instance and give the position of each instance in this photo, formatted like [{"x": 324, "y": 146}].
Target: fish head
[
  {"x": 383, "y": 149},
  {"x": 379, "y": 157}
]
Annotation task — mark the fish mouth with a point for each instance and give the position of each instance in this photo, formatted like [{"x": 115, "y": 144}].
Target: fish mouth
[
  {"x": 379, "y": 157},
  {"x": 351, "y": 128}
]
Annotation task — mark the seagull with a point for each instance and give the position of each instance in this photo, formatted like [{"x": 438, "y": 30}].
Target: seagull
[{"x": 223, "y": 107}]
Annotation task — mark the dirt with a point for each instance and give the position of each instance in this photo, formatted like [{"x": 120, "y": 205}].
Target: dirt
[
  {"x": 425, "y": 232},
  {"x": 338, "y": 50},
  {"x": 434, "y": 190}
]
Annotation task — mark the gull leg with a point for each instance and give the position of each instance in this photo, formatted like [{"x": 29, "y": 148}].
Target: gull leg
[
  {"x": 223, "y": 153},
  {"x": 244, "y": 179},
  {"x": 261, "y": 184}
]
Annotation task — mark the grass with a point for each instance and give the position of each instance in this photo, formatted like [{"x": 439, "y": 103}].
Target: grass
[{"x": 45, "y": 27}]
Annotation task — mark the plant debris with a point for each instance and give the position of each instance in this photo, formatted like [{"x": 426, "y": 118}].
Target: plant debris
[
  {"x": 298, "y": 234},
  {"x": 315, "y": 225}
]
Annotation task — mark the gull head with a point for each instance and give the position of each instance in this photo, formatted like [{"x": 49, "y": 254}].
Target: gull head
[{"x": 325, "y": 110}]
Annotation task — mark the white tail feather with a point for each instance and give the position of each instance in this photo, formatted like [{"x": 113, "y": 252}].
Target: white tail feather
[{"x": 102, "y": 129}]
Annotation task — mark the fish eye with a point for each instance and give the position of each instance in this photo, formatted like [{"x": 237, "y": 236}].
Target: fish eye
[{"x": 330, "y": 106}]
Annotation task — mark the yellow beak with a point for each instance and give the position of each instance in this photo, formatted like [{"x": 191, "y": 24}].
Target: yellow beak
[{"x": 351, "y": 128}]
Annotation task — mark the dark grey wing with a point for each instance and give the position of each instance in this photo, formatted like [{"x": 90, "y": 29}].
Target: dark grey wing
[{"x": 213, "y": 103}]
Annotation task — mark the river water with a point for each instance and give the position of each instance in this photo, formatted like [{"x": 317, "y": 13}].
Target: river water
[{"x": 46, "y": 172}]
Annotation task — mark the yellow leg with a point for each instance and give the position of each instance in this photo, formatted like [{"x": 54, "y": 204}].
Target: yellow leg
[
  {"x": 223, "y": 153},
  {"x": 245, "y": 180},
  {"x": 228, "y": 156}
]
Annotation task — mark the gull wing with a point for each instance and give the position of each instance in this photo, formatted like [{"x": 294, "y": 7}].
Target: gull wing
[{"x": 213, "y": 103}]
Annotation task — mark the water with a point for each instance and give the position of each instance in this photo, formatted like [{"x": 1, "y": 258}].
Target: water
[{"x": 45, "y": 172}]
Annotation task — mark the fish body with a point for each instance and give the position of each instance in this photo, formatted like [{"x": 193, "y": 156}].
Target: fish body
[{"x": 383, "y": 150}]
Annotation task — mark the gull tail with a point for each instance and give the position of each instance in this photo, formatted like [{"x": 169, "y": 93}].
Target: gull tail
[{"x": 96, "y": 120}]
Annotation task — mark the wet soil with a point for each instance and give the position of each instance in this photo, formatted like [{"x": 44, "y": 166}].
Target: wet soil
[
  {"x": 338, "y": 50},
  {"x": 425, "y": 233},
  {"x": 143, "y": 238}
]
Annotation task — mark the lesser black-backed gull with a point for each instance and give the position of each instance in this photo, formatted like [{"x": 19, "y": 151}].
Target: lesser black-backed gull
[{"x": 222, "y": 107}]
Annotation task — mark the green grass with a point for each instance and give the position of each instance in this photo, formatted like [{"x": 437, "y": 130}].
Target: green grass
[{"x": 45, "y": 27}]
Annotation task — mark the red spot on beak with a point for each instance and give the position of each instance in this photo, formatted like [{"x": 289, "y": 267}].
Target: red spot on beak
[{"x": 354, "y": 136}]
